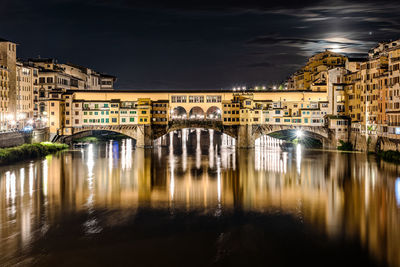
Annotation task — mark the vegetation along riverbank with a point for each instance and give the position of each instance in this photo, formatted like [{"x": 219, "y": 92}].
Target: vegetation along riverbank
[{"x": 29, "y": 151}]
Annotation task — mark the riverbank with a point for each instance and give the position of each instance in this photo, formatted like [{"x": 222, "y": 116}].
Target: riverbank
[{"x": 29, "y": 151}]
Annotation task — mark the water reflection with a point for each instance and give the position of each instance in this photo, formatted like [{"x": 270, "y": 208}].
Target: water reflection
[{"x": 338, "y": 194}]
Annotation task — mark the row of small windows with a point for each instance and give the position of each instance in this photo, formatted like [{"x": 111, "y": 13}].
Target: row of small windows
[
  {"x": 233, "y": 112},
  {"x": 233, "y": 105},
  {"x": 296, "y": 120},
  {"x": 196, "y": 99}
]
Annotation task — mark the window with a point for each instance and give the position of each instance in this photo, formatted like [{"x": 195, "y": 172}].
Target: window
[
  {"x": 277, "y": 120},
  {"x": 76, "y": 121},
  {"x": 107, "y": 120},
  {"x": 85, "y": 121},
  {"x": 67, "y": 121},
  {"x": 52, "y": 104},
  {"x": 143, "y": 111},
  {"x": 52, "y": 113},
  {"x": 213, "y": 98},
  {"x": 114, "y": 119},
  {"x": 106, "y": 105},
  {"x": 85, "y": 113},
  {"x": 178, "y": 99},
  {"x": 96, "y": 113},
  {"x": 123, "y": 120},
  {"x": 102, "y": 120},
  {"x": 196, "y": 99},
  {"x": 96, "y": 105},
  {"x": 76, "y": 113}
]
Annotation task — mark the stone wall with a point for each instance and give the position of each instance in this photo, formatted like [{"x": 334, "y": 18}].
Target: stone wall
[
  {"x": 19, "y": 138},
  {"x": 14, "y": 139}
]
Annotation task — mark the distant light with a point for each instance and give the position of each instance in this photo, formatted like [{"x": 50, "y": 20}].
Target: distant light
[
  {"x": 244, "y": 88},
  {"x": 264, "y": 87},
  {"x": 10, "y": 117},
  {"x": 274, "y": 87},
  {"x": 299, "y": 133}
]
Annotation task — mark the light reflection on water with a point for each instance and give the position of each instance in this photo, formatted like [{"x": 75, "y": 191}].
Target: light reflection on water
[{"x": 336, "y": 193}]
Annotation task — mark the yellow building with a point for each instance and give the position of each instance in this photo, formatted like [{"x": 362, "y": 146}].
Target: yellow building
[
  {"x": 313, "y": 76},
  {"x": 25, "y": 92},
  {"x": 393, "y": 102},
  {"x": 160, "y": 110},
  {"x": 4, "y": 91},
  {"x": 8, "y": 59}
]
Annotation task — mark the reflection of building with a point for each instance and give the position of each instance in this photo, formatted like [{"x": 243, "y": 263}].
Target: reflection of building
[{"x": 335, "y": 193}]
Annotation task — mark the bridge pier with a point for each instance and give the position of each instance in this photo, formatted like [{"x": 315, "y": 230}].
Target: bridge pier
[
  {"x": 245, "y": 137},
  {"x": 144, "y": 136}
]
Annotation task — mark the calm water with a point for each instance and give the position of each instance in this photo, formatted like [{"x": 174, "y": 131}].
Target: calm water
[{"x": 112, "y": 204}]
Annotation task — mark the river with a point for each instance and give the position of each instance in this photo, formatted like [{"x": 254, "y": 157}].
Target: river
[{"x": 112, "y": 204}]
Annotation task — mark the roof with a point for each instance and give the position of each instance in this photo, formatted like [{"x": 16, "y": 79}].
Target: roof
[
  {"x": 108, "y": 76},
  {"x": 353, "y": 59},
  {"x": 44, "y": 60},
  {"x": 4, "y": 40}
]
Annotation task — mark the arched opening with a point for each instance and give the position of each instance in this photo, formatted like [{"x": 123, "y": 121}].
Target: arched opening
[
  {"x": 179, "y": 113},
  {"x": 196, "y": 113},
  {"x": 82, "y": 138},
  {"x": 214, "y": 113},
  {"x": 290, "y": 136}
]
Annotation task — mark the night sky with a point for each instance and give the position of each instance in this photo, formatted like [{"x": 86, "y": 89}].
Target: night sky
[{"x": 195, "y": 44}]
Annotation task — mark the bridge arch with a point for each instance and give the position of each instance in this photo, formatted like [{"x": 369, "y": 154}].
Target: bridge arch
[
  {"x": 196, "y": 113},
  {"x": 214, "y": 113},
  {"x": 320, "y": 133},
  {"x": 179, "y": 113},
  {"x": 128, "y": 131}
]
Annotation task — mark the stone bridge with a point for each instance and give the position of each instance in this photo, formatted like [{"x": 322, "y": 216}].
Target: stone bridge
[{"x": 245, "y": 134}]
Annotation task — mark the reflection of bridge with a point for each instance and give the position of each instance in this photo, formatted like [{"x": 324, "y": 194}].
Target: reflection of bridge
[{"x": 244, "y": 134}]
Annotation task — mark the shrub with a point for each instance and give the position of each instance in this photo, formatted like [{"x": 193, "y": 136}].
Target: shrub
[
  {"x": 345, "y": 146},
  {"x": 29, "y": 151}
]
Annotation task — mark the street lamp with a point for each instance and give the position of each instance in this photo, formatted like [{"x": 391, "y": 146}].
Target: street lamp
[{"x": 299, "y": 134}]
